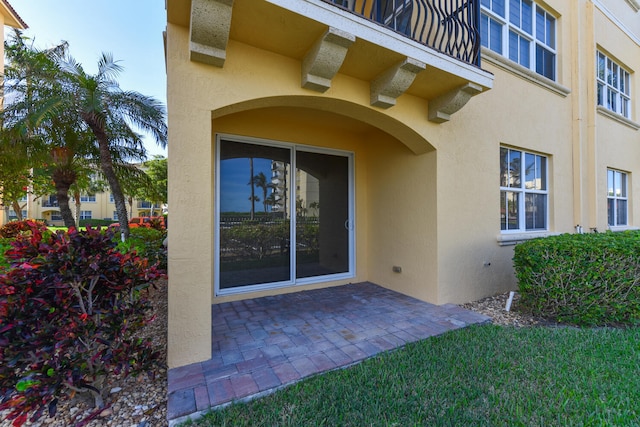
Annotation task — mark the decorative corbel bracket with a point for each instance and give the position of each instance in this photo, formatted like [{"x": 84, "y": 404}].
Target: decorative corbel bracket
[
  {"x": 210, "y": 25},
  {"x": 441, "y": 108},
  {"x": 324, "y": 59},
  {"x": 394, "y": 81}
]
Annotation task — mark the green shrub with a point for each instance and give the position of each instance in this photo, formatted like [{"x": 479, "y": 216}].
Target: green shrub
[
  {"x": 147, "y": 243},
  {"x": 96, "y": 222},
  {"x": 583, "y": 279},
  {"x": 255, "y": 240},
  {"x": 70, "y": 310},
  {"x": 5, "y": 245}
]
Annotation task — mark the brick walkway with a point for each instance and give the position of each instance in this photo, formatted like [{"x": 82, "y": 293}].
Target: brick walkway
[{"x": 262, "y": 344}]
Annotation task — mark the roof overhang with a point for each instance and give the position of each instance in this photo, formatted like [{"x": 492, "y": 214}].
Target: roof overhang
[{"x": 11, "y": 17}]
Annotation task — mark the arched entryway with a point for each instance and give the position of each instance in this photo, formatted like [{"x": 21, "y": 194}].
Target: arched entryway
[{"x": 292, "y": 190}]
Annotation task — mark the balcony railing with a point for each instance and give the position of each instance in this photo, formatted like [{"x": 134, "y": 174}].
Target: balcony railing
[{"x": 449, "y": 26}]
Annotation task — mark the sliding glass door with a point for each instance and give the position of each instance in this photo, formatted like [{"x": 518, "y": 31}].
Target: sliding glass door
[{"x": 284, "y": 215}]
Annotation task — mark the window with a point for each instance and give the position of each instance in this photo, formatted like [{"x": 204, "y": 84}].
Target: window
[
  {"x": 613, "y": 86},
  {"x": 87, "y": 198},
  {"x": 111, "y": 200},
  {"x": 521, "y": 30},
  {"x": 85, "y": 214},
  {"x": 523, "y": 191},
  {"x": 13, "y": 215},
  {"x": 396, "y": 14},
  {"x": 616, "y": 198},
  {"x": 115, "y": 216}
]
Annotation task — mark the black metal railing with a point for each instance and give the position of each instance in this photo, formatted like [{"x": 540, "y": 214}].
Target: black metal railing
[
  {"x": 449, "y": 26},
  {"x": 50, "y": 202}
]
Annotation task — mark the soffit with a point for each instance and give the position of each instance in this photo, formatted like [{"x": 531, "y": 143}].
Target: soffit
[{"x": 12, "y": 18}]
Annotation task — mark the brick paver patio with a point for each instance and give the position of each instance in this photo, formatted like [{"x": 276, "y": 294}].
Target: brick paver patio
[{"x": 262, "y": 344}]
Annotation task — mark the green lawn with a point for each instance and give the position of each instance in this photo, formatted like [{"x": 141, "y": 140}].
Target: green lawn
[{"x": 479, "y": 376}]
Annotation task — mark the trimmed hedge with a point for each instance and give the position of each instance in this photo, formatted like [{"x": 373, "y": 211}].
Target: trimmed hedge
[
  {"x": 94, "y": 222},
  {"x": 582, "y": 279}
]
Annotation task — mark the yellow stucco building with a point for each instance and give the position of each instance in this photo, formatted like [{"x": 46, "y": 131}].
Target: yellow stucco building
[
  {"x": 404, "y": 145},
  {"x": 100, "y": 206},
  {"x": 10, "y": 18}
]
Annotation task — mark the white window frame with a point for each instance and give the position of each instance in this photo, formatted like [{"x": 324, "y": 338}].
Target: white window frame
[
  {"x": 87, "y": 198},
  {"x": 83, "y": 215},
  {"x": 490, "y": 13},
  {"x": 13, "y": 215},
  {"x": 522, "y": 190},
  {"x": 617, "y": 198},
  {"x": 613, "y": 85}
]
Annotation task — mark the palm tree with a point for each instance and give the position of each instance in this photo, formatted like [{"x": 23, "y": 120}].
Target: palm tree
[
  {"x": 87, "y": 183},
  {"x": 34, "y": 124},
  {"x": 253, "y": 197},
  {"x": 112, "y": 114},
  {"x": 260, "y": 181},
  {"x": 63, "y": 113}
]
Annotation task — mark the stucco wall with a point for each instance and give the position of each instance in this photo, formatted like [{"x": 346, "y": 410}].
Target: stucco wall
[{"x": 427, "y": 195}]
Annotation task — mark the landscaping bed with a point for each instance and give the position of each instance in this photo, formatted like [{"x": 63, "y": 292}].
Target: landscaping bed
[{"x": 135, "y": 401}]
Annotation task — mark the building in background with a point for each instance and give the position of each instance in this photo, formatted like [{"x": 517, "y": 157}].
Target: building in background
[
  {"x": 92, "y": 206},
  {"x": 437, "y": 139}
]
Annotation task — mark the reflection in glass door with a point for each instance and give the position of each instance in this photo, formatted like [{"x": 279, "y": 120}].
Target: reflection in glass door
[
  {"x": 322, "y": 214},
  {"x": 274, "y": 198}
]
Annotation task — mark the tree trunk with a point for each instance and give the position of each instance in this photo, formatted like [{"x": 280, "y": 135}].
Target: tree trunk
[
  {"x": 253, "y": 197},
  {"x": 17, "y": 209},
  {"x": 63, "y": 179},
  {"x": 106, "y": 165},
  {"x": 76, "y": 196}
]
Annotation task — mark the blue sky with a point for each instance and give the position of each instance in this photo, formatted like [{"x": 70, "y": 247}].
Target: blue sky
[
  {"x": 131, "y": 30},
  {"x": 234, "y": 181}
]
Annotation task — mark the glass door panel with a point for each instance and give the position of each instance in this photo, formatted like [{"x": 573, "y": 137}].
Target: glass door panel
[
  {"x": 254, "y": 214},
  {"x": 273, "y": 198},
  {"x": 322, "y": 214}
]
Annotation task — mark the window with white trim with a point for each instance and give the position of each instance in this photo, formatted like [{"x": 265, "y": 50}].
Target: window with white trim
[
  {"x": 523, "y": 191},
  {"x": 13, "y": 215},
  {"x": 522, "y": 31},
  {"x": 84, "y": 198},
  {"x": 614, "y": 86},
  {"x": 115, "y": 215},
  {"x": 111, "y": 199},
  {"x": 617, "y": 201},
  {"x": 85, "y": 214}
]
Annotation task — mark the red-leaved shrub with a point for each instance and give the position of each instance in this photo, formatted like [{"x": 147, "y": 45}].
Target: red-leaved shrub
[{"x": 70, "y": 307}]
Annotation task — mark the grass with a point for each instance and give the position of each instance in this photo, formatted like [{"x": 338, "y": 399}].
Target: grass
[{"x": 478, "y": 376}]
